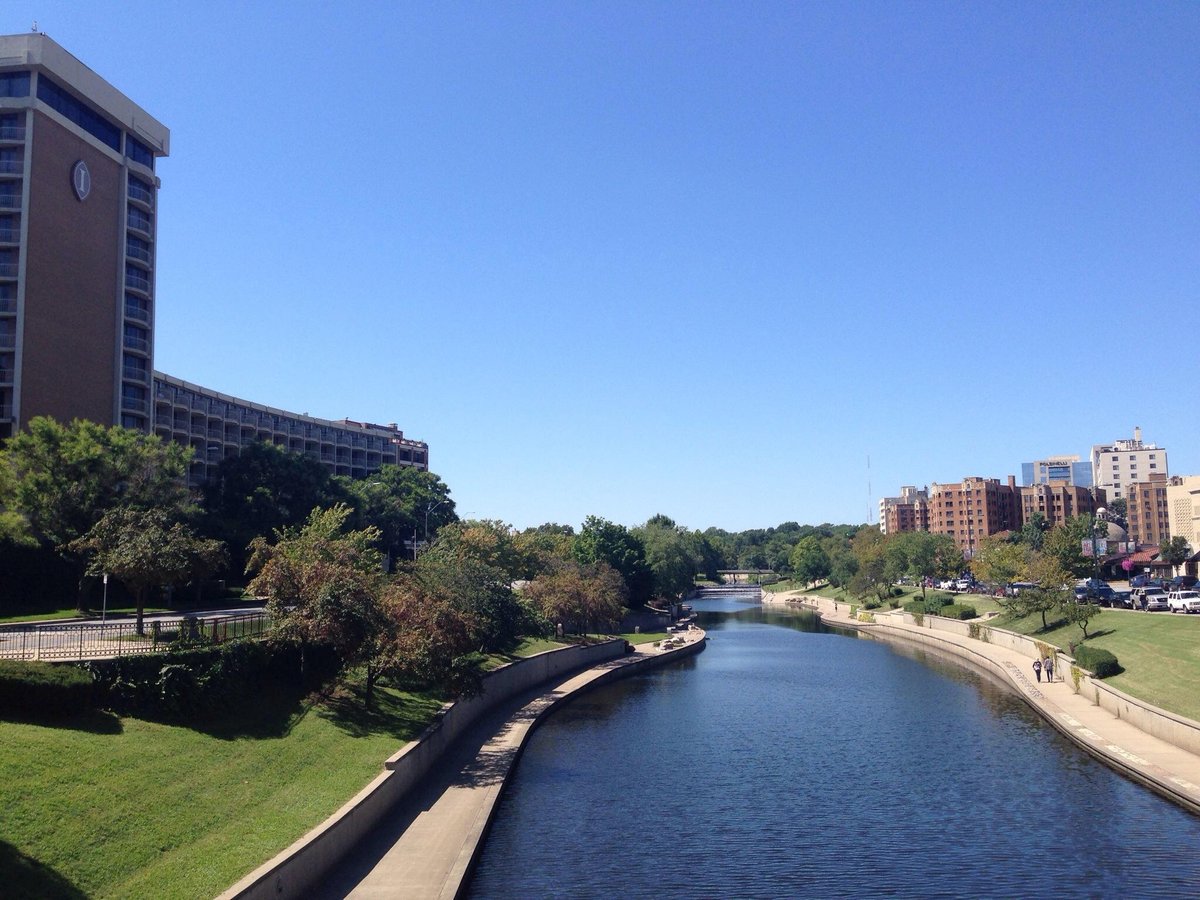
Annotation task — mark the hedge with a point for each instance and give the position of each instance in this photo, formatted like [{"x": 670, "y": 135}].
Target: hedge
[
  {"x": 1099, "y": 662},
  {"x": 43, "y": 690},
  {"x": 958, "y": 611},
  {"x": 184, "y": 683}
]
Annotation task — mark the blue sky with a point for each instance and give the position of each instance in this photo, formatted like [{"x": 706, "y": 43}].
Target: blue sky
[{"x": 698, "y": 259}]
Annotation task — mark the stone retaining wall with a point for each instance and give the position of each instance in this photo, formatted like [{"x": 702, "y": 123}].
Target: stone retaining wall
[
  {"x": 1176, "y": 730},
  {"x": 299, "y": 867}
]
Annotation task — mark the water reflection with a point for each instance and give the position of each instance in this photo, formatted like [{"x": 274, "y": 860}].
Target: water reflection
[{"x": 789, "y": 760}]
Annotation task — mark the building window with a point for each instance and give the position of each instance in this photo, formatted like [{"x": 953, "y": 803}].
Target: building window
[
  {"x": 1154, "y": 465},
  {"x": 14, "y": 84},
  {"x": 139, "y": 219},
  {"x": 138, "y": 152},
  {"x": 75, "y": 111}
]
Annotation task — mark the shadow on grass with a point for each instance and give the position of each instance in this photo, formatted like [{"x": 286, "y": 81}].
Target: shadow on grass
[
  {"x": 1092, "y": 635},
  {"x": 271, "y": 712},
  {"x": 93, "y": 721},
  {"x": 25, "y": 877},
  {"x": 400, "y": 715}
]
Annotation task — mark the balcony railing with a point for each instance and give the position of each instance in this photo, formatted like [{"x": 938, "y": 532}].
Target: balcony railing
[
  {"x": 133, "y": 404},
  {"x": 8, "y": 304},
  {"x": 139, "y": 193},
  {"x": 135, "y": 343},
  {"x": 12, "y": 132},
  {"x": 5, "y": 411},
  {"x": 137, "y": 282},
  {"x": 10, "y": 201},
  {"x": 12, "y": 166},
  {"x": 6, "y": 376},
  {"x": 132, "y": 373},
  {"x": 8, "y": 270},
  {"x": 140, "y": 253},
  {"x": 10, "y": 236},
  {"x": 138, "y": 223},
  {"x": 137, "y": 313}
]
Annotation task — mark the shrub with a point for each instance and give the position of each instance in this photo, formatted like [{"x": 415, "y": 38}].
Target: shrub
[
  {"x": 43, "y": 690},
  {"x": 958, "y": 611},
  {"x": 1099, "y": 662},
  {"x": 916, "y": 607},
  {"x": 871, "y": 603}
]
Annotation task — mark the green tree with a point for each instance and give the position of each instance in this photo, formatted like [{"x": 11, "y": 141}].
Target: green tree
[
  {"x": 322, "y": 583},
  {"x": 144, "y": 549},
  {"x": 929, "y": 556},
  {"x": 1174, "y": 550},
  {"x": 488, "y": 541},
  {"x": 60, "y": 480},
  {"x": 1001, "y": 562},
  {"x": 263, "y": 490},
  {"x": 873, "y": 575},
  {"x": 1050, "y": 592},
  {"x": 809, "y": 561},
  {"x": 400, "y": 501},
  {"x": 669, "y": 554},
  {"x": 482, "y": 592},
  {"x": 1033, "y": 532},
  {"x": 1081, "y": 613},
  {"x": 1065, "y": 544},
  {"x": 603, "y": 541}
]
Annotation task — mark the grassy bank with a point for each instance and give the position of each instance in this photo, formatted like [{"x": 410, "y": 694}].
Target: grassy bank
[
  {"x": 103, "y": 806},
  {"x": 1160, "y": 653}
]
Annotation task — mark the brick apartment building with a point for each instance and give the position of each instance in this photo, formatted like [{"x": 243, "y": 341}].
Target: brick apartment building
[
  {"x": 972, "y": 509},
  {"x": 1148, "y": 510},
  {"x": 1058, "y": 501}
]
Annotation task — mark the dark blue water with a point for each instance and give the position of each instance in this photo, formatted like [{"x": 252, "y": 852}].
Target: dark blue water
[{"x": 790, "y": 761}]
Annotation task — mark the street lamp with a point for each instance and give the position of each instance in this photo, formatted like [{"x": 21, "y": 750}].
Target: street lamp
[
  {"x": 1097, "y": 518},
  {"x": 430, "y": 508}
]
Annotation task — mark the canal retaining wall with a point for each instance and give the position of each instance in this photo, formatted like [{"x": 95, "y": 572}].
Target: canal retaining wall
[
  {"x": 1175, "y": 730},
  {"x": 294, "y": 871}
]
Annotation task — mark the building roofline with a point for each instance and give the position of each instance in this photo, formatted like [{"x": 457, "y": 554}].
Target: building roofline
[{"x": 39, "y": 51}]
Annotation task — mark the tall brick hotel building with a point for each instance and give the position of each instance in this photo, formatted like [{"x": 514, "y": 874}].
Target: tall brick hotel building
[{"x": 78, "y": 227}]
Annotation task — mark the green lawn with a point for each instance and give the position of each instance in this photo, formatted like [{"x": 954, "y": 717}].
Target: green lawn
[
  {"x": 1159, "y": 651},
  {"x": 118, "y": 807}
]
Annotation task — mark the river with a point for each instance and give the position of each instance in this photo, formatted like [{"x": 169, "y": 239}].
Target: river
[{"x": 791, "y": 760}]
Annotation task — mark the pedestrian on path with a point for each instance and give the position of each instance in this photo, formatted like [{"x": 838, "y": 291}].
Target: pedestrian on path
[
  {"x": 1049, "y": 667},
  {"x": 1037, "y": 669}
]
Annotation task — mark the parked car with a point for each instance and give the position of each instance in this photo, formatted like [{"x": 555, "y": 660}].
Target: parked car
[
  {"x": 1123, "y": 599},
  {"x": 1145, "y": 581},
  {"x": 1181, "y": 583},
  {"x": 1184, "y": 601},
  {"x": 1154, "y": 600}
]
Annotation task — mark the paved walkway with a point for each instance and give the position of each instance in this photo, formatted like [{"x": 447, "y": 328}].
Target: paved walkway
[
  {"x": 425, "y": 846},
  {"x": 1165, "y": 768}
]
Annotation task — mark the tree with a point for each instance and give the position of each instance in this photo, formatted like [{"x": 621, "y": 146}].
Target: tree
[
  {"x": 669, "y": 556},
  {"x": 1001, "y": 562},
  {"x": 546, "y": 545},
  {"x": 582, "y": 598},
  {"x": 322, "y": 584},
  {"x": 603, "y": 541},
  {"x": 1081, "y": 612},
  {"x": 1065, "y": 544},
  {"x": 482, "y": 592},
  {"x": 487, "y": 541},
  {"x": 1046, "y": 572},
  {"x": 427, "y": 641},
  {"x": 872, "y": 575},
  {"x": 400, "y": 501},
  {"x": 809, "y": 561},
  {"x": 929, "y": 556},
  {"x": 1033, "y": 532},
  {"x": 264, "y": 489},
  {"x": 1174, "y": 550},
  {"x": 144, "y": 549},
  {"x": 60, "y": 480}
]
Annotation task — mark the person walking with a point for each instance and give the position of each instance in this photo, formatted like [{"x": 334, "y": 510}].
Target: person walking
[
  {"x": 1048, "y": 665},
  {"x": 1037, "y": 669}
]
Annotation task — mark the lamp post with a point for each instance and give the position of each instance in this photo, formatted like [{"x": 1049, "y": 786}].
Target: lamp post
[
  {"x": 1097, "y": 518},
  {"x": 430, "y": 508}
]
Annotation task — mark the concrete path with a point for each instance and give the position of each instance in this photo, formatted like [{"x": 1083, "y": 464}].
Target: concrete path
[
  {"x": 1163, "y": 767},
  {"x": 424, "y": 848}
]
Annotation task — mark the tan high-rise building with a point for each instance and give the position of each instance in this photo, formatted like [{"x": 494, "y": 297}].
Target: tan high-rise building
[
  {"x": 1117, "y": 465},
  {"x": 78, "y": 198},
  {"x": 1183, "y": 509},
  {"x": 1147, "y": 510}
]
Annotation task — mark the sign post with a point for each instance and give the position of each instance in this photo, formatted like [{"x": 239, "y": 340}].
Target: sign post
[{"x": 104, "y": 608}]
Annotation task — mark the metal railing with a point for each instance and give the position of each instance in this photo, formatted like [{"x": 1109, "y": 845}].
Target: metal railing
[
  {"x": 93, "y": 640},
  {"x": 12, "y": 132},
  {"x": 137, "y": 192},
  {"x": 12, "y": 166}
]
